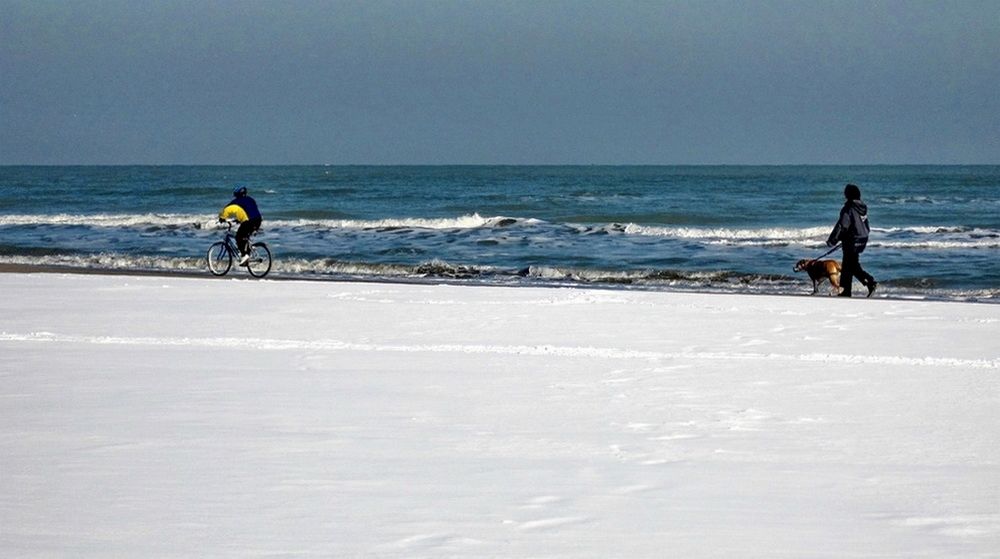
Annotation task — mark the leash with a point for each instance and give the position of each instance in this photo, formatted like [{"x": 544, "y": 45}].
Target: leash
[{"x": 835, "y": 247}]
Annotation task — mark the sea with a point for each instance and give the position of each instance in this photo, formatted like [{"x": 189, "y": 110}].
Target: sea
[{"x": 732, "y": 229}]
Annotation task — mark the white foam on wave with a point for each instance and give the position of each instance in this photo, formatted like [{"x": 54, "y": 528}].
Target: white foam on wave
[
  {"x": 208, "y": 221},
  {"x": 953, "y": 236},
  {"x": 958, "y": 236},
  {"x": 874, "y": 243},
  {"x": 111, "y": 220},
  {"x": 470, "y": 221},
  {"x": 326, "y": 266},
  {"x": 724, "y": 233},
  {"x": 932, "y": 229},
  {"x": 109, "y": 261},
  {"x": 940, "y": 245}
]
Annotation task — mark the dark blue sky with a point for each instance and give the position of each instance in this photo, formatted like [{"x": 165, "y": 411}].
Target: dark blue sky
[{"x": 547, "y": 82}]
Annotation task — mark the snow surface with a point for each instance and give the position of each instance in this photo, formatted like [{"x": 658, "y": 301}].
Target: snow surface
[{"x": 164, "y": 416}]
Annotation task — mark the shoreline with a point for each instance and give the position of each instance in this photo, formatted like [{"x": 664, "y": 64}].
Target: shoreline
[{"x": 11, "y": 268}]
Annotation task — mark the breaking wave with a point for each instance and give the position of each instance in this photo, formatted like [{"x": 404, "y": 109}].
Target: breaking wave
[
  {"x": 109, "y": 220},
  {"x": 944, "y": 237},
  {"x": 773, "y": 233},
  {"x": 203, "y": 221},
  {"x": 941, "y": 237}
]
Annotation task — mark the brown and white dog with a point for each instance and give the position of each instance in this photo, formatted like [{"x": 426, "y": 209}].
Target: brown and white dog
[{"x": 820, "y": 270}]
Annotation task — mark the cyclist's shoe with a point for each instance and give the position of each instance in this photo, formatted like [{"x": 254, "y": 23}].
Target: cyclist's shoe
[{"x": 244, "y": 259}]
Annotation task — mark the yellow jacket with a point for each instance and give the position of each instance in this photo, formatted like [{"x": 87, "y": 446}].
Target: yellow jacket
[
  {"x": 241, "y": 209},
  {"x": 232, "y": 211}
]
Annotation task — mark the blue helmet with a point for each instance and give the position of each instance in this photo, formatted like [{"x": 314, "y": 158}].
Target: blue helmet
[{"x": 240, "y": 191}]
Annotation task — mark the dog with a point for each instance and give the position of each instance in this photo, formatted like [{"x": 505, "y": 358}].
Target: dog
[{"x": 820, "y": 270}]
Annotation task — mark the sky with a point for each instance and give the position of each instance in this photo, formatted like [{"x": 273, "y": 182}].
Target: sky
[{"x": 499, "y": 82}]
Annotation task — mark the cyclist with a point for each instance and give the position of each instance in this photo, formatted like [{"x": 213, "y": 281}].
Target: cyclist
[{"x": 243, "y": 209}]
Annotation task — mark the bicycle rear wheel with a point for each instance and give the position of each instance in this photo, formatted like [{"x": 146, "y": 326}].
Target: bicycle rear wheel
[
  {"x": 260, "y": 260},
  {"x": 220, "y": 260}
]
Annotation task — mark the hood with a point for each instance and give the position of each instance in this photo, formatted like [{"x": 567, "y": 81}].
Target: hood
[{"x": 858, "y": 205}]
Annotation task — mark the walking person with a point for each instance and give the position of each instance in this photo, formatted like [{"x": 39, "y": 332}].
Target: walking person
[
  {"x": 243, "y": 209},
  {"x": 852, "y": 230}
]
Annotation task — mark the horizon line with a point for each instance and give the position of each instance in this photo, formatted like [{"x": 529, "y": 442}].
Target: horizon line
[{"x": 499, "y": 164}]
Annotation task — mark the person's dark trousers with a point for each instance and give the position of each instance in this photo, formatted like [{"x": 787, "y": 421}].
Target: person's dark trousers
[
  {"x": 243, "y": 234},
  {"x": 850, "y": 268}
]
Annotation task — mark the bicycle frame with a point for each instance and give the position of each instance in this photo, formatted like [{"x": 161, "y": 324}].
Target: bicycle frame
[{"x": 230, "y": 242}]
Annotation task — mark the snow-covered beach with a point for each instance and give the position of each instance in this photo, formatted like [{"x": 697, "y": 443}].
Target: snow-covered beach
[{"x": 174, "y": 416}]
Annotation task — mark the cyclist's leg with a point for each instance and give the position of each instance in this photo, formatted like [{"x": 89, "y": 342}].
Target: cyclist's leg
[
  {"x": 243, "y": 236},
  {"x": 254, "y": 226}
]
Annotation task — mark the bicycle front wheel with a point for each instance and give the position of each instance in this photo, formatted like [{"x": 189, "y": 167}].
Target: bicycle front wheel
[
  {"x": 220, "y": 260},
  {"x": 260, "y": 260}
]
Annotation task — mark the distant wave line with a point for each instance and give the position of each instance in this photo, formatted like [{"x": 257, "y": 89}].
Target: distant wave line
[
  {"x": 208, "y": 221},
  {"x": 991, "y": 237}
]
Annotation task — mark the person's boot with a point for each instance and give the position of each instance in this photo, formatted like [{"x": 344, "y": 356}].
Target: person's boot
[{"x": 872, "y": 284}]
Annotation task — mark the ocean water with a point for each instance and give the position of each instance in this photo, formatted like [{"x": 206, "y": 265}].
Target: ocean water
[{"x": 936, "y": 229}]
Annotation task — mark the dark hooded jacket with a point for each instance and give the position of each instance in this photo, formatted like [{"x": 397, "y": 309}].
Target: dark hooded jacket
[
  {"x": 243, "y": 208},
  {"x": 852, "y": 228}
]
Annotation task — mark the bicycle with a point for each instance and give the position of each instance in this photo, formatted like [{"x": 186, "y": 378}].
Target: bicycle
[{"x": 222, "y": 253}]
